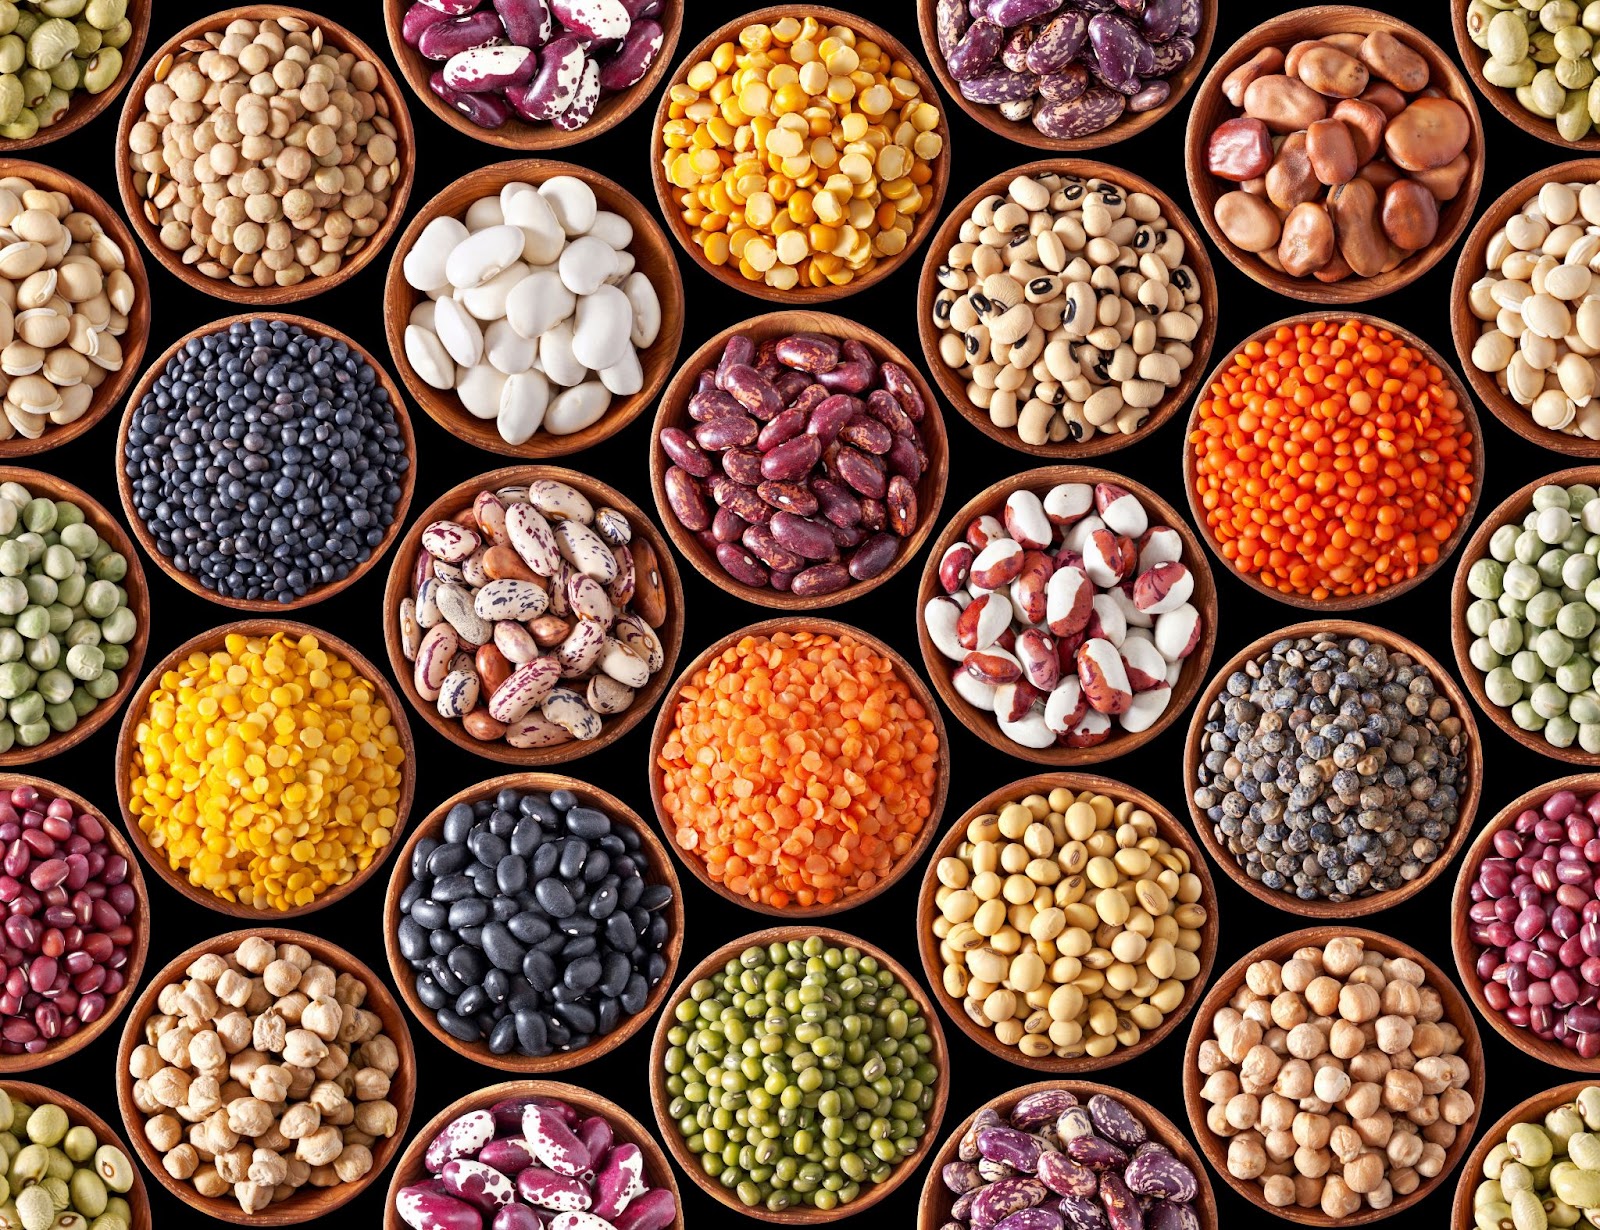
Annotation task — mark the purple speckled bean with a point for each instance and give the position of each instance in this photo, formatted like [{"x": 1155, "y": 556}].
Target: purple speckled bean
[
  {"x": 728, "y": 526},
  {"x": 1095, "y": 1153},
  {"x": 726, "y": 431},
  {"x": 977, "y": 49},
  {"x": 1189, "y": 19},
  {"x": 791, "y": 497},
  {"x": 687, "y": 500},
  {"x": 1005, "y": 1197},
  {"x": 740, "y": 351},
  {"x": 856, "y": 372},
  {"x": 1172, "y": 55},
  {"x": 527, "y": 22},
  {"x": 1064, "y": 1176},
  {"x": 1014, "y": 52},
  {"x": 1158, "y": 1174},
  {"x": 707, "y": 404},
  {"x": 740, "y": 499},
  {"x": 633, "y": 57},
  {"x": 845, "y": 537},
  {"x": 830, "y": 416},
  {"x": 810, "y": 397},
  {"x": 1168, "y": 1215},
  {"x": 1116, "y": 1122},
  {"x": 819, "y": 580},
  {"x": 1094, "y": 110},
  {"x": 759, "y": 541},
  {"x": 808, "y": 352},
  {"x": 866, "y": 433},
  {"x": 685, "y": 453},
  {"x": 1121, "y": 1205},
  {"x": 743, "y": 465},
  {"x": 1058, "y": 42},
  {"x": 961, "y": 1210},
  {"x": 1064, "y": 86},
  {"x": 871, "y": 558},
  {"x": 1160, "y": 19},
  {"x": 1015, "y": 12},
  {"x": 998, "y": 85},
  {"x": 951, "y": 20},
  {"x": 741, "y": 565},
  {"x": 1116, "y": 44},
  {"x": 792, "y": 460},
  {"x": 886, "y": 408},
  {"x": 804, "y": 536},
  {"x": 863, "y": 471},
  {"x": 452, "y": 36},
  {"x": 1038, "y": 1109},
  {"x": 484, "y": 110},
  {"x": 874, "y": 514},
  {"x": 753, "y": 391},
  {"x": 837, "y": 505},
  {"x": 1152, "y": 96},
  {"x": 417, "y": 19},
  {"x": 785, "y": 425},
  {"x": 898, "y": 382},
  {"x": 1082, "y": 1213},
  {"x": 1032, "y": 1219}
]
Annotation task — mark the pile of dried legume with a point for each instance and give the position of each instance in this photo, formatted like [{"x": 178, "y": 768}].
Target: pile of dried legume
[
  {"x": 267, "y": 771},
  {"x": 1332, "y": 459},
  {"x": 61, "y": 1173},
  {"x": 1549, "y": 1162},
  {"x": 800, "y": 768}
]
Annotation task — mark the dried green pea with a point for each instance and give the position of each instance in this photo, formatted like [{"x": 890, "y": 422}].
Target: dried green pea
[
  {"x": 118, "y": 35},
  {"x": 26, "y": 709},
  {"x": 1503, "y": 542},
  {"x": 1526, "y": 717},
  {"x": 116, "y": 657},
  {"x": 1486, "y": 578},
  {"x": 1480, "y": 615},
  {"x": 1560, "y": 731}
]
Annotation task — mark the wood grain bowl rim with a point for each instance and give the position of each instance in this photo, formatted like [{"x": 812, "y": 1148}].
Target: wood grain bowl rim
[
  {"x": 666, "y": 717},
  {"x": 409, "y": 1168},
  {"x": 673, "y": 411},
  {"x": 729, "y": 275},
  {"x": 1505, "y": 101},
  {"x": 1466, "y": 952},
  {"x": 1204, "y": 600},
  {"x": 657, "y": 360},
  {"x": 138, "y": 951},
  {"x": 137, "y": 1196},
  {"x": 1457, "y": 1012},
  {"x": 661, "y": 871},
  {"x": 1509, "y": 510},
  {"x": 1321, "y": 910},
  {"x": 1348, "y": 602},
  {"x": 83, "y": 111},
  {"x": 1529, "y": 1110},
  {"x": 342, "y": 39},
  {"x": 1282, "y": 31},
  {"x": 128, "y": 751},
  {"x": 517, "y": 133},
  {"x": 933, "y": 1210},
  {"x": 110, "y": 530},
  {"x": 954, "y": 387},
  {"x": 801, "y": 1215},
  {"x": 318, "y": 593},
  {"x": 308, "y": 1203},
  {"x": 1170, "y": 831}
]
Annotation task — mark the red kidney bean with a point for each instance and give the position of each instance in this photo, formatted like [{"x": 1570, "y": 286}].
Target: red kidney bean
[
  {"x": 713, "y": 403},
  {"x": 785, "y": 425},
  {"x": 685, "y": 453},
  {"x": 836, "y": 504},
  {"x": 867, "y": 434},
  {"x": 793, "y": 459},
  {"x": 883, "y": 406},
  {"x": 862, "y": 471},
  {"x": 743, "y": 465},
  {"x": 874, "y": 514},
  {"x": 739, "y": 564},
  {"x": 873, "y": 556},
  {"x": 761, "y": 543},
  {"x": 804, "y": 536},
  {"x": 687, "y": 501},
  {"x": 754, "y": 391},
  {"x": 741, "y": 499},
  {"x": 791, "y": 497},
  {"x": 807, "y": 352},
  {"x": 740, "y": 351},
  {"x": 821, "y": 579},
  {"x": 728, "y": 526}
]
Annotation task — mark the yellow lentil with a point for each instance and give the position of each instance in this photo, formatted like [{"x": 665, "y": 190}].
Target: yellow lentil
[
  {"x": 794, "y": 124},
  {"x": 267, "y": 771}
]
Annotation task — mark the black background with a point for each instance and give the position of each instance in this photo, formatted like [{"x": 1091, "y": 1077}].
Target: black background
[{"x": 623, "y": 154}]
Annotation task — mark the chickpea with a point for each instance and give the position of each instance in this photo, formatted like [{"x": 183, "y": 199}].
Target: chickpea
[{"x": 1246, "y": 1156}]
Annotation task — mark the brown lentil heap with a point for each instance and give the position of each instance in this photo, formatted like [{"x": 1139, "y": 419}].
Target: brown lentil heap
[
  {"x": 262, "y": 155},
  {"x": 1333, "y": 768}
]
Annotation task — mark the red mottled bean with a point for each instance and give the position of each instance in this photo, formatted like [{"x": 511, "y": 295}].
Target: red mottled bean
[
  {"x": 743, "y": 465},
  {"x": 785, "y": 425},
  {"x": 687, "y": 501},
  {"x": 739, "y": 564},
  {"x": 803, "y": 536},
  {"x": 819, "y": 580},
  {"x": 727, "y": 525},
  {"x": 792, "y": 497},
  {"x": 761, "y": 543},
  {"x": 808, "y": 352},
  {"x": 707, "y": 404},
  {"x": 862, "y": 471},
  {"x": 867, "y": 434},
  {"x": 753, "y": 391},
  {"x": 740, "y": 499},
  {"x": 873, "y": 556},
  {"x": 793, "y": 459},
  {"x": 726, "y": 431}
]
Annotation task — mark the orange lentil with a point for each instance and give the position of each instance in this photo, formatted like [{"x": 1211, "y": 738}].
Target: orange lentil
[
  {"x": 1332, "y": 459},
  {"x": 800, "y": 768}
]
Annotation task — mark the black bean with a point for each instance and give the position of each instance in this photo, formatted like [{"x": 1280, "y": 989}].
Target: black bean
[
  {"x": 443, "y": 941},
  {"x": 555, "y": 897},
  {"x": 620, "y": 933},
  {"x": 487, "y": 848},
  {"x": 458, "y": 823},
  {"x": 458, "y": 1026},
  {"x": 616, "y": 969},
  {"x": 578, "y": 1016},
  {"x": 472, "y": 1001},
  {"x": 579, "y": 946},
  {"x": 539, "y": 968},
  {"x": 497, "y": 984},
  {"x": 504, "y": 909},
  {"x": 544, "y": 861},
  {"x": 503, "y": 1038},
  {"x": 420, "y": 855},
  {"x": 501, "y": 947},
  {"x": 634, "y": 995},
  {"x": 588, "y": 823},
  {"x": 529, "y": 928},
  {"x": 655, "y": 896},
  {"x": 583, "y": 973},
  {"x": 563, "y": 800},
  {"x": 448, "y": 859},
  {"x": 413, "y": 940},
  {"x": 511, "y": 874},
  {"x": 574, "y": 854},
  {"x": 430, "y": 913},
  {"x": 429, "y": 993},
  {"x": 607, "y": 1014},
  {"x": 413, "y": 893},
  {"x": 467, "y": 964},
  {"x": 468, "y": 912},
  {"x": 597, "y": 867},
  {"x": 525, "y": 838},
  {"x": 532, "y": 1035},
  {"x": 603, "y": 902}
]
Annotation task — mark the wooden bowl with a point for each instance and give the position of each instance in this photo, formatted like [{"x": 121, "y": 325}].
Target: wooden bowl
[
  {"x": 689, "y": 1163},
  {"x": 459, "y": 498},
  {"x": 674, "y": 412},
  {"x": 951, "y": 383},
  {"x": 1211, "y": 108},
  {"x": 518, "y": 133},
  {"x": 667, "y": 194},
  {"x": 62, "y": 1050},
  {"x": 128, "y": 752},
  {"x": 650, "y": 249},
  {"x": 1375, "y": 902},
  {"x": 1347, "y": 602},
  {"x": 86, "y": 107},
  {"x": 133, "y": 203},
  {"x": 110, "y": 529},
  {"x": 1465, "y": 328},
  {"x": 660, "y": 872},
  {"x": 1505, "y": 101},
  {"x": 1511, "y": 510},
  {"x": 1456, "y": 1012},
  {"x": 983, "y": 724},
  {"x": 1024, "y": 133},
  {"x": 1530, "y": 1110},
  {"x": 934, "y": 1211},
  {"x": 137, "y": 1196},
  {"x": 1466, "y": 952},
  {"x": 933, "y": 965},
  {"x": 309, "y": 1203},
  {"x": 409, "y": 1170},
  {"x": 666, "y": 720},
  {"x": 116, "y": 383},
  {"x": 265, "y": 606}
]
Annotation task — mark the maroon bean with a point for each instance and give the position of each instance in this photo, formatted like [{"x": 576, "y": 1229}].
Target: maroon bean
[
  {"x": 898, "y": 382},
  {"x": 830, "y": 415},
  {"x": 845, "y": 537},
  {"x": 793, "y": 459},
  {"x": 862, "y": 471},
  {"x": 741, "y": 565},
  {"x": 900, "y": 501},
  {"x": 812, "y": 396},
  {"x": 790, "y": 384},
  {"x": 740, "y": 351},
  {"x": 873, "y": 556},
  {"x": 808, "y": 352},
  {"x": 883, "y": 406},
  {"x": 710, "y": 403},
  {"x": 687, "y": 501},
  {"x": 728, "y": 526},
  {"x": 905, "y": 460},
  {"x": 785, "y": 425},
  {"x": 705, "y": 381},
  {"x": 740, "y": 499},
  {"x": 753, "y": 391},
  {"x": 820, "y": 579},
  {"x": 627, "y": 65},
  {"x": 781, "y": 581},
  {"x": 804, "y": 536},
  {"x": 743, "y": 465},
  {"x": 685, "y": 453},
  {"x": 855, "y": 373},
  {"x": 761, "y": 543},
  {"x": 874, "y": 514},
  {"x": 791, "y": 497},
  {"x": 835, "y": 503},
  {"x": 867, "y": 433}
]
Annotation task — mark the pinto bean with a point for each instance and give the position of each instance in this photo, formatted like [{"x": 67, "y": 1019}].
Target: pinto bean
[
  {"x": 1410, "y": 215},
  {"x": 1307, "y": 242}
]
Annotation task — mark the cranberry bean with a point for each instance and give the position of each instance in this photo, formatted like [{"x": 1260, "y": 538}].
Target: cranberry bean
[
  {"x": 708, "y": 404},
  {"x": 808, "y": 352},
  {"x": 830, "y": 415},
  {"x": 862, "y": 471},
  {"x": 743, "y": 465},
  {"x": 726, "y": 431},
  {"x": 867, "y": 433},
  {"x": 900, "y": 500},
  {"x": 753, "y": 391},
  {"x": 785, "y": 425},
  {"x": 727, "y": 526},
  {"x": 761, "y": 543},
  {"x": 835, "y": 503},
  {"x": 803, "y": 536},
  {"x": 741, "y": 565},
  {"x": 874, "y": 555},
  {"x": 685, "y": 453},
  {"x": 820, "y": 579},
  {"x": 791, "y": 497},
  {"x": 793, "y": 459},
  {"x": 740, "y": 499},
  {"x": 687, "y": 500}
]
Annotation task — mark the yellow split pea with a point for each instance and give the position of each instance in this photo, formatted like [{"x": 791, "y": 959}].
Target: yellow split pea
[
  {"x": 267, "y": 771},
  {"x": 802, "y": 154}
]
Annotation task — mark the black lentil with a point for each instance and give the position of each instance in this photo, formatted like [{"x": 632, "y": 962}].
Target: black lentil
[
  {"x": 266, "y": 461},
  {"x": 531, "y": 925},
  {"x": 1332, "y": 768}
]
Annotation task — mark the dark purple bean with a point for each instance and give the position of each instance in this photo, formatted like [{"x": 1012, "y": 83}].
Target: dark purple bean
[
  {"x": 484, "y": 110},
  {"x": 808, "y": 352},
  {"x": 845, "y": 537},
  {"x": 687, "y": 501},
  {"x": 551, "y": 93},
  {"x": 998, "y": 85},
  {"x": 951, "y": 20},
  {"x": 856, "y": 372},
  {"x": 753, "y": 391},
  {"x": 1065, "y": 85},
  {"x": 528, "y": 23},
  {"x": 976, "y": 50},
  {"x": 726, "y": 431},
  {"x": 862, "y": 471},
  {"x": 1091, "y": 111},
  {"x": 685, "y": 453},
  {"x": 1172, "y": 55},
  {"x": 804, "y": 536},
  {"x": 792, "y": 460},
  {"x": 904, "y": 459},
  {"x": 786, "y": 425},
  {"x": 728, "y": 526},
  {"x": 709, "y": 403},
  {"x": 1116, "y": 1122},
  {"x": 1082, "y": 1213},
  {"x": 781, "y": 581},
  {"x": 1014, "y": 52},
  {"x": 417, "y": 19},
  {"x": 1058, "y": 42},
  {"x": 743, "y": 465},
  {"x": 741, "y": 565},
  {"x": 809, "y": 398},
  {"x": 1015, "y": 12},
  {"x": 873, "y": 556},
  {"x": 450, "y": 37},
  {"x": 838, "y": 505},
  {"x": 820, "y": 579},
  {"x": 867, "y": 433},
  {"x": 633, "y": 57},
  {"x": 791, "y": 497},
  {"x": 761, "y": 543}
]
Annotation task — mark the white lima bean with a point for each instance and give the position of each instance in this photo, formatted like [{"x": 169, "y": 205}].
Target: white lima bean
[{"x": 535, "y": 313}]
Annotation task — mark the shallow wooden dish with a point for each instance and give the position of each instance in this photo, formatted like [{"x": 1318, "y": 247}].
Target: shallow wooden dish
[
  {"x": 137, "y": 1196},
  {"x": 128, "y": 751},
  {"x": 110, "y": 529},
  {"x": 458, "y": 499},
  {"x": 409, "y": 1169},
  {"x": 1211, "y": 108},
  {"x": 116, "y": 383},
  {"x": 955, "y": 388},
  {"x": 309, "y": 1203},
  {"x": 1465, "y": 328},
  {"x": 928, "y": 944},
  {"x": 933, "y": 1213},
  {"x": 1374, "y": 902},
  {"x": 674, "y": 412},
  {"x": 801, "y": 1215},
  {"x": 667, "y": 194},
  {"x": 387, "y": 89},
  {"x": 85, "y": 108},
  {"x": 265, "y": 606},
  {"x": 650, "y": 249},
  {"x": 518, "y": 133},
  {"x": 983, "y": 724},
  {"x": 661, "y": 872},
  {"x": 1529, "y": 1110},
  {"x": 1505, "y": 102},
  {"x": 666, "y": 720},
  {"x": 138, "y": 950},
  {"x": 1509, "y": 511},
  {"x": 1023, "y": 132},
  {"x": 1223, "y": 989},
  {"x": 1466, "y": 952},
  {"x": 1347, "y": 602}
]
